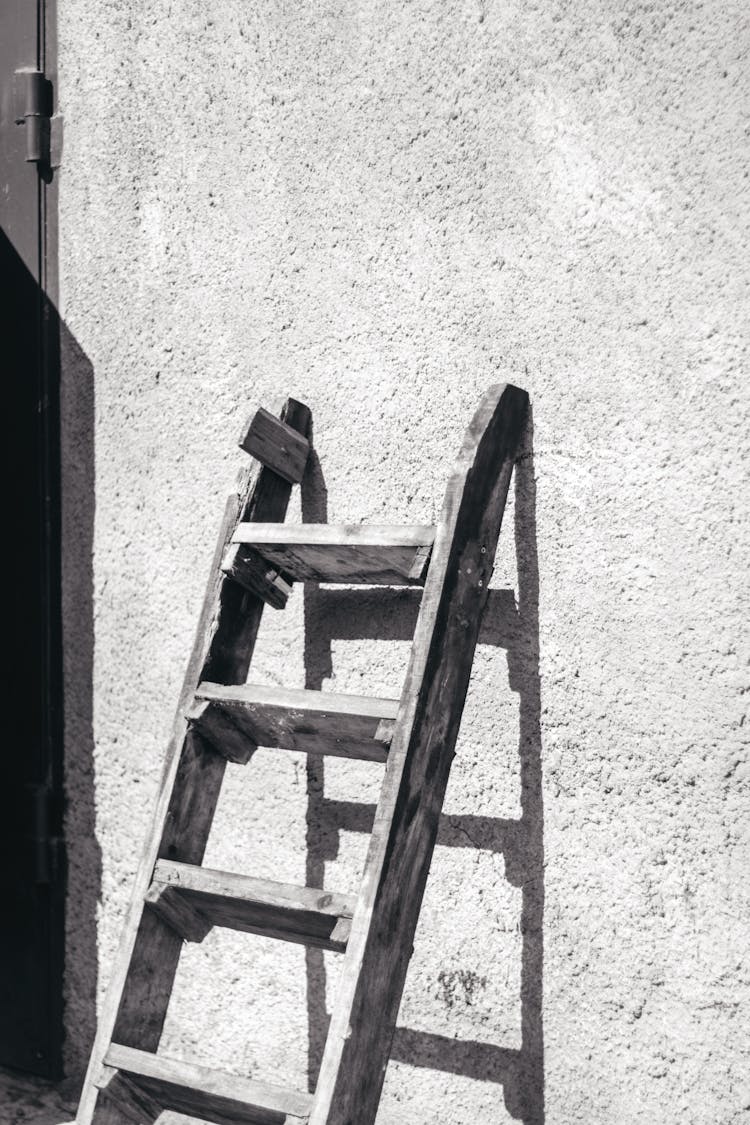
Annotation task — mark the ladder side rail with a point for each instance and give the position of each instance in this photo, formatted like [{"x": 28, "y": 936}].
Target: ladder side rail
[
  {"x": 146, "y": 961},
  {"x": 405, "y": 829}
]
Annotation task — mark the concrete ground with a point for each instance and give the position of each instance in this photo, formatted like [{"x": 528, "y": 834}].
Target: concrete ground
[{"x": 32, "y": 1101}]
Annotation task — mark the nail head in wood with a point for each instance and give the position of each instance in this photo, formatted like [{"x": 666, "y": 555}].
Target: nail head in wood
[{"x": 277, "y": 446}]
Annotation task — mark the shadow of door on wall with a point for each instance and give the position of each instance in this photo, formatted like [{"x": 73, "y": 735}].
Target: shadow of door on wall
[
  {"x": 511, "y": 621},
  {"x": 53, "y": 425}
]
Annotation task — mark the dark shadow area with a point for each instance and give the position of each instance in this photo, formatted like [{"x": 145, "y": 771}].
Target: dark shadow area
[
  {"x": 84, "y": 861},
  {"x": 50, "y": 511},
  {"x": 510, "y": 621},
  {"x": 31, "y": 937}
]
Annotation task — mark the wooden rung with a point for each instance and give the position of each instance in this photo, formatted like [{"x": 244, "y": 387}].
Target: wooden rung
[
  {"x": 315, "y": 722},
  {"x": 278, "y": 446},
  {"x": 320, "y": 552},
  {"x": 223, "y": 1099},
  {"x": 256, "y": 906}
]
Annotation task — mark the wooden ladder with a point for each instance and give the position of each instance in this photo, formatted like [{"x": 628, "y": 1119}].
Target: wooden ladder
[{"x": 222, "y": 718}]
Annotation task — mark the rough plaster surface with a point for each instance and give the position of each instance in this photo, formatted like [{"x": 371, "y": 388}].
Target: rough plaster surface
[{"x": 382, "y": 209}]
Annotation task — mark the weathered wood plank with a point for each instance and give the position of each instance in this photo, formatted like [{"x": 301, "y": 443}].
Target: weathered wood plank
[
  {"x": 225, "y": 737},
  {"x": 257, "y": 906},
  {"x": 145, "y": 964},
  {"x": 254, "y": 573},
  {"x": 225, "y": 1099},
  {"x": 351, "y": 726},
  {"x": 416, "y": 775},
  {"x": 336, "y": 534},
  {"x": 277, "y": 445},
  {"x": 178, "y": 912},
  {"x": 350, "y": 553},
  {"x": 124, "y": 1100}
]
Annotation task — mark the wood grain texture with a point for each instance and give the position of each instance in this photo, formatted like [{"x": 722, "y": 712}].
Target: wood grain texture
[
  {"x": 406, "y": 821},
  {"x": 224, "y": 1099},
  {"x": 350, "y": 726},
  {"x": 146, "y": 961},
  {"x": 277, "y": 445},
  {"x": 257, "y": 906},
  {"x": 178, "y": 912},
  {"x": 349, "y": 553},
  {"x": 254, "y": 573},
  {"x": 125, "y": 1100},
  {"x": 216, "y": 726},
  {"x": 336, "y": 534}
]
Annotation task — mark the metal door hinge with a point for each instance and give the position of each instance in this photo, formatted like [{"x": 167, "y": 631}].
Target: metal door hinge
[{"x": 34, "y": 111}]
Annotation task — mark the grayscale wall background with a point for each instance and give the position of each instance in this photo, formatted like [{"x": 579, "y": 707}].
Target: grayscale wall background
[{"x": 382, "y": 209}]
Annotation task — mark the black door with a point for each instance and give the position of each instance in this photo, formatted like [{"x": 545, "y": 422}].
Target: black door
[{"x": 31, "y": 931}]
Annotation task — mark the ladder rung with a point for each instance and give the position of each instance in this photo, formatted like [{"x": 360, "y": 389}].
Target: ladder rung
[
  {"x": 217, "y": 1097},
  {"x": 193, "y": 899},
  {"x": 320, "y": 552},
  {"x": 347, "y": 726}
]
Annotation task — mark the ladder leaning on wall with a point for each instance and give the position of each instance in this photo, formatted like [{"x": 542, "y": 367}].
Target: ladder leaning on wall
[{"x": 221, "y": 718}]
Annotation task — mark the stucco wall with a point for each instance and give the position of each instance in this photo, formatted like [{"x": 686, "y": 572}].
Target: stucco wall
[{"x": 382, "y": 209}]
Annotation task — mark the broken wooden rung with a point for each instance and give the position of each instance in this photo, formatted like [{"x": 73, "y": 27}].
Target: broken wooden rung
[
  {"x": 249, "y": 569},
  {"x": 277, "y": 446}
]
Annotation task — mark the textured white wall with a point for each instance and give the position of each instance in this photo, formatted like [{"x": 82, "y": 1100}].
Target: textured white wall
[{"x": 382, "y": 209}]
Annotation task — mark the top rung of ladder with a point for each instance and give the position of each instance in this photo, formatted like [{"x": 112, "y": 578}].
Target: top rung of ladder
[{"x": 276, "y": 445}]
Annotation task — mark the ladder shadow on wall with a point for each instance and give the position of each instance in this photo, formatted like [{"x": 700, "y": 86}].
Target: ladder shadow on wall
[{"x": 511, "y": 622}]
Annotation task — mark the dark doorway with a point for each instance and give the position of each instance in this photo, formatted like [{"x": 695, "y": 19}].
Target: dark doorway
[{"x": 32, "y": 931}]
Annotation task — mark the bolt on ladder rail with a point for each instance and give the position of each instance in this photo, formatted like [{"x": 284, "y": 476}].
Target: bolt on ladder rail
[{"x": 222, "y": 718}]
